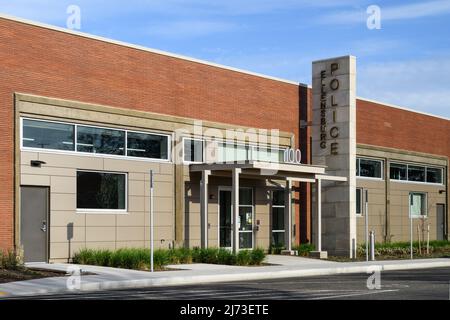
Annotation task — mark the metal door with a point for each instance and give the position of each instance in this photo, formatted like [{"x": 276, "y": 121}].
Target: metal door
[
  {"x": 440, "y": 220},
  {"x": 34, "y": 223}
]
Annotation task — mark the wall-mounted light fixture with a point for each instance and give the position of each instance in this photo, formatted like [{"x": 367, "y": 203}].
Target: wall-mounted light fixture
[{"x": 37, "y": 163}]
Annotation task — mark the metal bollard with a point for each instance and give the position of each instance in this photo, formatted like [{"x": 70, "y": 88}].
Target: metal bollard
[{"x": 372, "y": 245}]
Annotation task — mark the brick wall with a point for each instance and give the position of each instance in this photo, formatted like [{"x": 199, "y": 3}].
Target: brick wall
[{"x": 381, "y": 125}]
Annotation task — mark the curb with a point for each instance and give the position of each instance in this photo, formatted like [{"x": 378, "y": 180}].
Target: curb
[{"x": 206, "y": 279}]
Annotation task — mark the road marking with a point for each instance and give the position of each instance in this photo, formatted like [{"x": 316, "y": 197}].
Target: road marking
[{"x": 355, "y": 294}]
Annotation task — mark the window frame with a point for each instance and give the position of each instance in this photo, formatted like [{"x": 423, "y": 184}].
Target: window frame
[
  {"x": 425, "y": 196},
  {"x": 361, "y": 197},
  {"x": 102, "y": 211},
  {"x": 103, "y": 155},
  {"x": 271, "y": 215},
  {"x": 203, "y": 150},
  {"x": 442, "y": 169},
  {"x": 358, "y": 169}
]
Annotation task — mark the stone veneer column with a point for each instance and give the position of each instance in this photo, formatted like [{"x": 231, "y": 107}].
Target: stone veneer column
[{"x": 334, "y": 146}]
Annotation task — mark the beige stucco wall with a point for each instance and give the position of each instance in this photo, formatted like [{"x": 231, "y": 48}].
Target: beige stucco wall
[{"x": 388, "y": 199}]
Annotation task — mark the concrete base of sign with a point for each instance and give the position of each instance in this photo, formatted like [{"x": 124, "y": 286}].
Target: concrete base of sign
[
  {"x": 319, "y": 254},
  {"x": 289, "y": 252}
]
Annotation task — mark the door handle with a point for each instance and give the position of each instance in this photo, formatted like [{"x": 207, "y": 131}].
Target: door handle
[{"x": 44, "y": 226}]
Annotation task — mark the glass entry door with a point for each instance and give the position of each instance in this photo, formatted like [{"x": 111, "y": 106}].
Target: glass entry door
[
  {"x": 245, "y": 218},
  {"x": 225, "y": 219}
]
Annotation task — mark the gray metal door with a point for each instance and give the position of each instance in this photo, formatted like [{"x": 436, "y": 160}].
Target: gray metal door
[
  {"x": 440, "y": 220},
  {"x": 34, "y": 223}
]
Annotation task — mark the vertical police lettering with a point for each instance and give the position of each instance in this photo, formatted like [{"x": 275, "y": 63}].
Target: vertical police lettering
[{"x": 334, "y": 130}]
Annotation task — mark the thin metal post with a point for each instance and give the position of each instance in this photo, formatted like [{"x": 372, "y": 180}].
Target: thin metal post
[
  {"x": 151, "y": 220},
  {"x": 411, "y": 200},
  {"x": 372, "y": 245},
  {"x": 366, "y": 215}
]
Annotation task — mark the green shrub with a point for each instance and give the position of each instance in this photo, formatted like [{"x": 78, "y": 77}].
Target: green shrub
[
  {"x": 225, "y": 256},
  {"x": 276, "y": 248},
  {"x": 257, "y": 256},
  {"x": 10, "y": 260},
  {"x": 243, "y": 258},
  {"x": 304, "y": 249},
  {"x": 139, "y": 258}
]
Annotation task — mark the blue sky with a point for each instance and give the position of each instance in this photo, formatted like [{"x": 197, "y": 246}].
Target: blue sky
[{"x": 406, "y": 62}]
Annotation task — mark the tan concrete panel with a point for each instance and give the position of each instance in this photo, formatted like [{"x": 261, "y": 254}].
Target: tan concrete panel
[
  {"x": 62, "y": 218},
  {"x": 100, "y": 234},
  {"x": 60, "y": 234},
  {"x": 167, "y": 168},
  {"x": 72, "y": 161},
  {"x": 161, "y": 233},
  {"x": 130, "y": 233},
  {"x": 136, "y": 187},
  {"x": 130, "y": 244},
  {"x": 131, "y": 219},
  {"x": 160, "y": 219},
  {"x": 164, "y": 204},
  {"x": 48, "y": 171},
  {"x": 100, "y": 220},
  {"x": 108, "y": 245},
  {"x": 60, "y": 250},
  {"x": 163, "y": 189},
  {"x": 136, "y": 204},
  {"x": 62, "y": 201},
  {"x": 34, "y": 180},
  {"x": 26, "y": 157},
  {"x": 123, "y": 165},
  {"x": 63, "y": 184}
]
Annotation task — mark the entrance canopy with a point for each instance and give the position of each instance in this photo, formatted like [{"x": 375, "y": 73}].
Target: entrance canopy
[{"x": 261, "y": 170}]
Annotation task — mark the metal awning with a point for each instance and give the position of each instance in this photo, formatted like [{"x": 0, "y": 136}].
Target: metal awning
[{"x": 261, "y": 170}]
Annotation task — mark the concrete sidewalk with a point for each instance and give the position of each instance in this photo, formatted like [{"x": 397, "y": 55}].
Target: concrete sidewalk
[{"x": 186, "y": 274}]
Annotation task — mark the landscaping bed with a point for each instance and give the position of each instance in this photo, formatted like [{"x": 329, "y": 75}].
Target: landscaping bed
[
  {"x": 401, "y": 251},
  {"x": 13, "y": 269},
  {"x": 139, "y": 258}
]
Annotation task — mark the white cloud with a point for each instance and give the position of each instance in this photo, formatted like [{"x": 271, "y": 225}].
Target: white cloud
[
  {"x": 189, "y": 28},
  {"x": 418, "y": 84},
  {"x": 401, "y": 12}
]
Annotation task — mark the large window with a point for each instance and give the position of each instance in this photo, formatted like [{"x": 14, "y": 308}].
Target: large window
[
  {"x": 229, "y": 152},
  {"x": 369, "y": 168},
  {"x": 193, "y": 150},
  {"x": 101, "y": 191},
  {"x": 48, "y": 135},
  {"x": 99, "y": 140},
  {"x": 416, "y": 173},
  {"x": 278, "y": 229},
  {"x": 399, "y": 171},
  {"x": 418, "y": 204},
  {"x": 144, "y": 145},
  {"x": 87, "y": 139}
]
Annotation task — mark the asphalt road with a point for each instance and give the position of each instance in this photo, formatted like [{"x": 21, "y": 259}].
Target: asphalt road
[{"x": 405, "y": 285}]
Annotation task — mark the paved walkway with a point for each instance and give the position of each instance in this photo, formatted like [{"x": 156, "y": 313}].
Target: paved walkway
[{"x": 280, "y": 267}]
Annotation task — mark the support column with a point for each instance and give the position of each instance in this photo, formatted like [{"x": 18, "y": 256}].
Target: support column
[
  {"x": 204, "y": 208},
  {"x": 319, "y": 213},
  {"x": 288, "y": 215},
  {"x": 235, "y": 207},
  {"x": 318, "y": 195}
]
